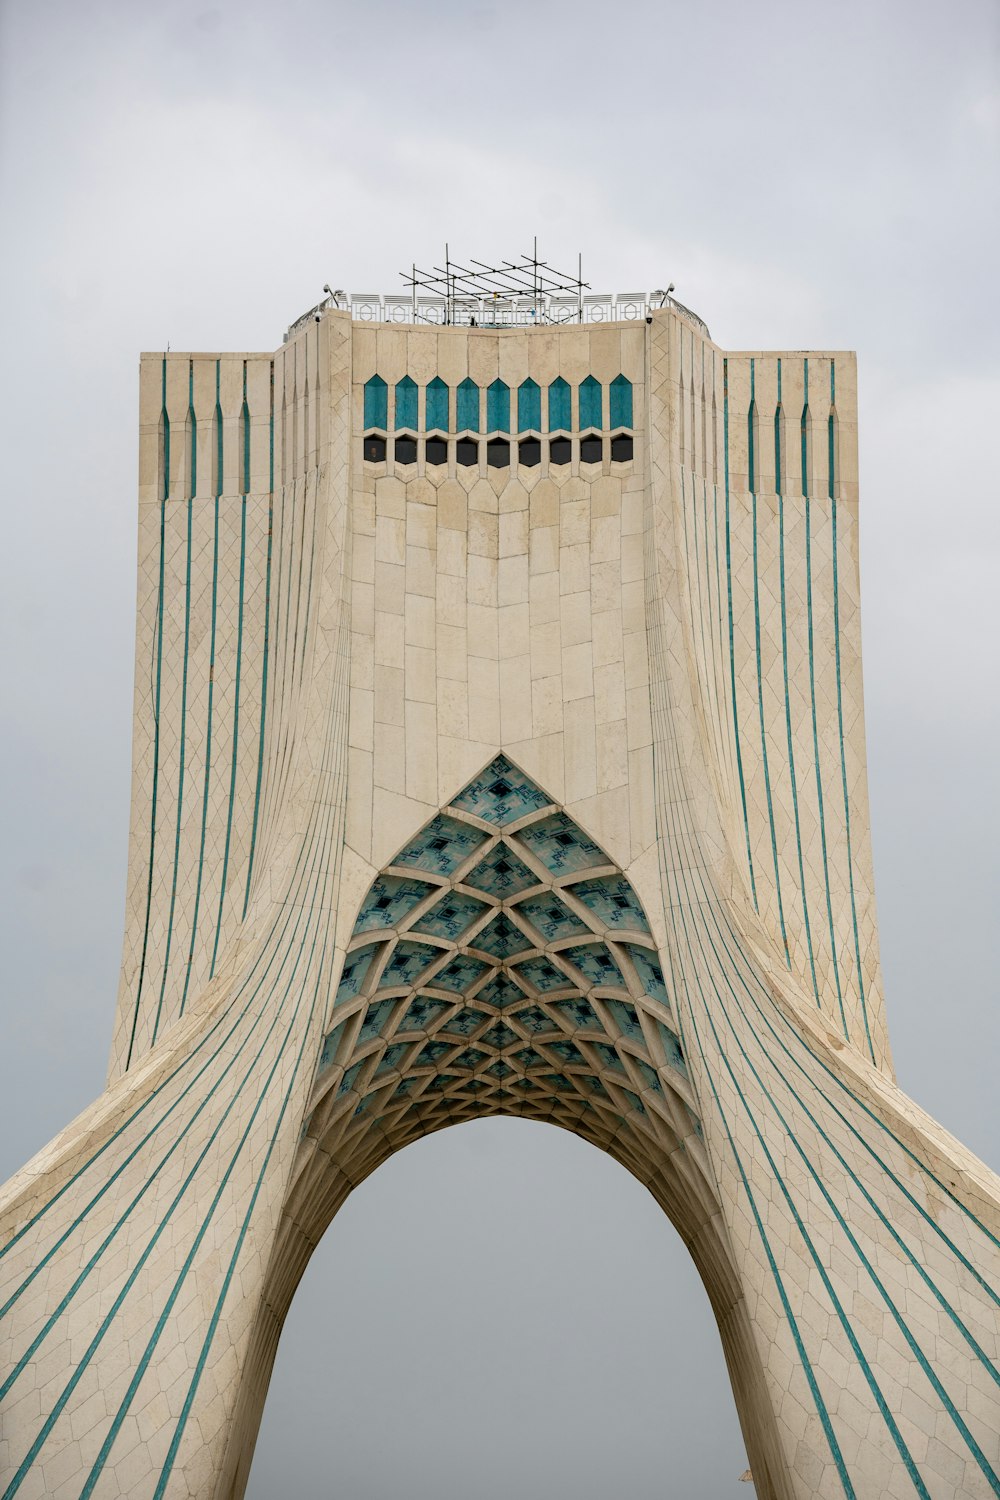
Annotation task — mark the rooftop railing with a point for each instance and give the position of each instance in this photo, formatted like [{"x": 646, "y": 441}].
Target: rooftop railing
[{"x": 499, "y": 311}]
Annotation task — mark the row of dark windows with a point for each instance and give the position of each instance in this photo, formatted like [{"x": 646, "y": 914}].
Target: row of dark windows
[
  {"x": 498, "y": 450},
  {"x": 592, "y": 401}
]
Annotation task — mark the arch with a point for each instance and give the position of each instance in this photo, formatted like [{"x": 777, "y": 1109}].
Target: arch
[
  {"x": 502, "y": 964},
  {"x": 406, "y": 403},
  {"x": 437, "y": 402},
  {"x": 560, "y": 413},
  {"x": 591, "y": 403},
  {"x": 621, "y": 402},
  {"x": 467, "y": 404},
  {"x": 376, "y": 403},
  {"x": 529, "y": 406},
  {"x": 498, "y": 407}
]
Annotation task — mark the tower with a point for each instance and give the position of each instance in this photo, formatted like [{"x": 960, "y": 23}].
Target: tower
[{"x": 499, "y": 748}]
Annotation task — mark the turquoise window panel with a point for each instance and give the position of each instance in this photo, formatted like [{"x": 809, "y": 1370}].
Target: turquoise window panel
[
  {"x": 591, "y": 403},
  {"x": 441, "y": 846},
  {"x": 467, "y": 407},
  {"x": 501, "y": 794},
  {"x": 376, "y": 403},
  {"x": 436, "y": 411},
  {"x": 650, "y": 973},
  {"x": 561, "y": 846},
  {"x": 621, "y": 402},
  {"x": 501, "y": 873},
  {"x": 498, "y": 407},
  {"x": 614, "y": 901},
  {"x": 560, "y": 406},
  {"x": 390, "y": 898},
  {"x": 451, "y": 916},
  {"x": 406, "y": 403},
  {"x": 529, "y": 407}
]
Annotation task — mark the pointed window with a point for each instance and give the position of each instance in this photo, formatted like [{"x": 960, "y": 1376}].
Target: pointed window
[
  {"x": 436, "y": 416},
  {"x": 376, "y": 403},
  {"x": 591, "y": 404},
  {"x": 621, "y": 402},
  {"x": 529, "y": 407},
  {"x": 498, "y": 407},
  {"x": 560, "y": 419},
  {"x": 468, "y": 407},
  {"x": 406, "y": 403}
]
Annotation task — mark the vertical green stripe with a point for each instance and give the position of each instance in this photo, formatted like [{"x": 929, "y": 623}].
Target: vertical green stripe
[{"x": 732, "y": 645}]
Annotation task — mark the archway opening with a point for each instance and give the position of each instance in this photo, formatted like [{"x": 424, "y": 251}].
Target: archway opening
[{"x": 500, "y": 1310}]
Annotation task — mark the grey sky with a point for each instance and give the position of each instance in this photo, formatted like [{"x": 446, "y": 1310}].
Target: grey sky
[{"x": 500, "y": 1309}]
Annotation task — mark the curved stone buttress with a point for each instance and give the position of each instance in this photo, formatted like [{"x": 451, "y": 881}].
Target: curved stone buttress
[{"x": 463, "y": 790}]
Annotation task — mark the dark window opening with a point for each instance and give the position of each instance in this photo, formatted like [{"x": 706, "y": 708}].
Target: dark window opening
[
  {"x": 621, "y": 448},
  {"x": 374, "y": 448},
  {"x": 467, "y": 452},
  {"x": 406, "y": 448},
  {"x": 529, "y": 453},
  {"x": 591, "y": 448},
  {"x": 498, "y": 453},
  {"x": 560, "y": 450},
  {"x": 436, "y": 450}
]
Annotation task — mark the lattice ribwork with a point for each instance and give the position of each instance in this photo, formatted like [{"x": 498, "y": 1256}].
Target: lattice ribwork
[{"x": 503, "y": 965}]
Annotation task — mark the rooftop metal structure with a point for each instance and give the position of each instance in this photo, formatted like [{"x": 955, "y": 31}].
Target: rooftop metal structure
[{"x": 515, "y": 293}]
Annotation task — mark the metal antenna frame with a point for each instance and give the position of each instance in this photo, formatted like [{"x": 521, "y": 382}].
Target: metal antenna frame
[{"x": 509, "y": 279}]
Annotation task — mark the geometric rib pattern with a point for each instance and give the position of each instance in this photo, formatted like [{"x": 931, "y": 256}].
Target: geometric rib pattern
[{"x": 502, "y": 965}]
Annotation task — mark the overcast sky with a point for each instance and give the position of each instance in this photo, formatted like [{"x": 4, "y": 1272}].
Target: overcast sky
[{"x": 501, "y": 1309}]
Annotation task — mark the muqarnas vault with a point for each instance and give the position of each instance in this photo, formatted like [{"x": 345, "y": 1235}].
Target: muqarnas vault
[{"x": 499, "y": 749}]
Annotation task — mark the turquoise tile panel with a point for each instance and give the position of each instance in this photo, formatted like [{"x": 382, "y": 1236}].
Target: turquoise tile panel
[
  {"x": 579, "y": 1013},
  {"x": 467, "y": 406},
  {"x": 407, "y": 962},
  {"x": 500, "y": 794},
  {"x": 529, "y": 407},
  {"x": 609, "y": 1057},
  {"x": 501, "y": 938},
  {"x": 423, "y": 1014},
  {"x": 390, "y": 899},
  {"x": 460, "y": 974},
  {"x": 501, "y": 992},
  {"x": 626, "y": 1018},
  {"x": 595, "y": 964},
  {"x": 498, "y": 407},
  {"x": 450, "y": 917},
  {"x": 548, "y": 916},
  {"x": 467, "y": 1020},
  {"x": 672, "y": 1049},
  {"x": 591, "y": 404},
  {"x": 442, "y": 846},
  {"x": 535, "y": 1021},
  {"x": 560, "y": 406},
  {"x": 501, "y": 874},
  {"x": 406, "y": 404},
  {"x": 543, "y": 975},
  {"x": 561, "y": 846},
  {"x": 613, "y": 901},
  {"x": 436, "y": 406},
  {"x": 356, "y": 966},
  {"x": 377, "y": 1017},
  {"x": 649, "y": 971},
  {"x": 499, "y": 1036}
]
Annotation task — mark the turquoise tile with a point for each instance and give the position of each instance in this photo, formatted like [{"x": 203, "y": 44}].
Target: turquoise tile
[
  {"x": 613, "y": 901},
  {"x": 500, "y": 794},
  {"x": 561, "y": 846},
  {"x": 595, "y": 964},
  {"x": 442, "y": 846},
  {"x": 390, "y": 899},
  {"x": 451, "y": 916},
  {"x": 501, "y": 874}
]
